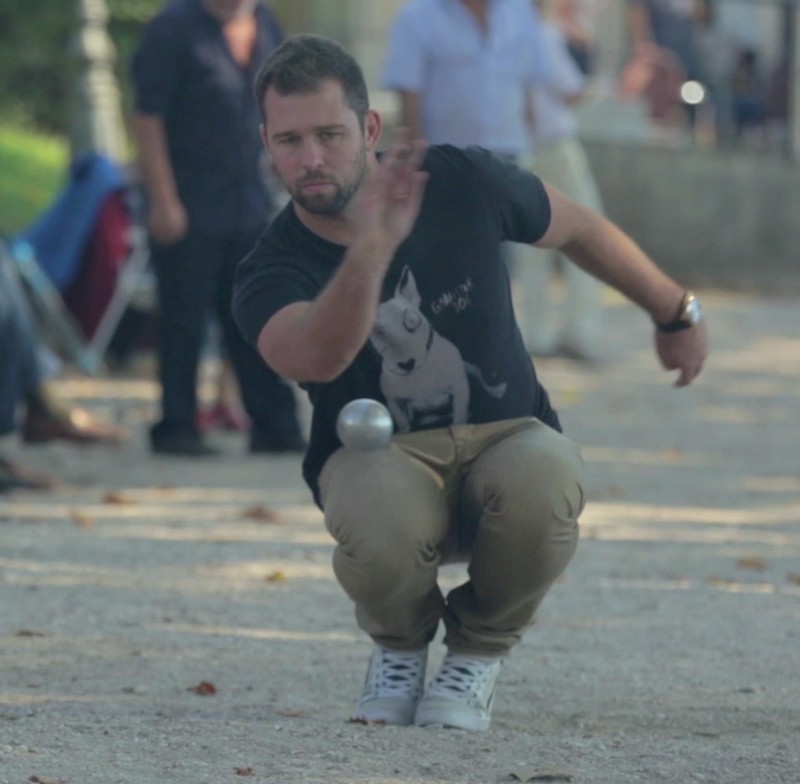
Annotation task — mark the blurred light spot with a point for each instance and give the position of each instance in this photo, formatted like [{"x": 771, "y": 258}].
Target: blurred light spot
[{"x": 692, "y": 92}]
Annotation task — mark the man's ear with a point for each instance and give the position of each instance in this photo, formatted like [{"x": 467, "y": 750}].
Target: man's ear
[{"x": 373, "y": 126}]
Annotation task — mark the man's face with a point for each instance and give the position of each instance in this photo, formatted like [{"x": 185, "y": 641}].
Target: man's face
[{"x": 318, "y": 148}]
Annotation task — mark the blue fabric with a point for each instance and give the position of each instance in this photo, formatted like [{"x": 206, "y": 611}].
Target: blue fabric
[{"x": 59, "y": 236}]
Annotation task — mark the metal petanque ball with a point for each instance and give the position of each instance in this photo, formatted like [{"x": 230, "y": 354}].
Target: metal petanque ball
[{"x": 365, "y": 425}]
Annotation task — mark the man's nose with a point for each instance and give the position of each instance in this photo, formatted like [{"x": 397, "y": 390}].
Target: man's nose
[{"x": 311, "y": 154}]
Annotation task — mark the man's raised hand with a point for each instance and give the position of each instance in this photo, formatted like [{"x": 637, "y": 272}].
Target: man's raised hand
[{"x": 390, "y": 199}]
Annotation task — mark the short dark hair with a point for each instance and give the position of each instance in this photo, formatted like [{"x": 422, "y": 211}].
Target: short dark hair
[{"x": 300, "y": 65}]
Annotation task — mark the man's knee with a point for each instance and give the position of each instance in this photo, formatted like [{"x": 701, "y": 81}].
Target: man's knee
[
  {"x": 381, "y": 493},
  {"x": 532, "y": 476},
  {"x": 380, "y": 561},
  {"x": 556, "y": 479}
]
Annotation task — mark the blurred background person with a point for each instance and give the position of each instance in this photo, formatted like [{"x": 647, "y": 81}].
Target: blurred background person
[
  {"x": 663, "y": 57},
  {"x": 716, "y": 57},
  {"x": 571, "y": 330},
  {"x": 668, "y": 24},
  {"x": 196, "y": 127},
  {"x": 573, "y": 20},
  {"x": 463, "y": 70},
  {"x": 224, "y": 410},
  {"x": 749, "y": 88}
]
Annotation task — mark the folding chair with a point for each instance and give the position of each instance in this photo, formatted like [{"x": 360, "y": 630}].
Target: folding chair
[
  {"x": 84, "y": 260},
  {"x": 58, "y": 324}
]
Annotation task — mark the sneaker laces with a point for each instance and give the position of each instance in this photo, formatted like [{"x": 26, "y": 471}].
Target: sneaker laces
[
  {"x": 462, "y": 675},
  {"x": 399, "y": 673}
]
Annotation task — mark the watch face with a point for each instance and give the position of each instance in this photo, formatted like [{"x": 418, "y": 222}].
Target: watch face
[
  {"x": 688, "y": 316},
  {"x": 692, "y": 310}
]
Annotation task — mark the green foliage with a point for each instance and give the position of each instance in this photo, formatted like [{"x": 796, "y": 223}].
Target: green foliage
[
  {"x": 36, "y": 61},
  {"x": 33, "y": 72},
  {"x": 34, "y": 169},
  {"x": 126, "y": 18}
]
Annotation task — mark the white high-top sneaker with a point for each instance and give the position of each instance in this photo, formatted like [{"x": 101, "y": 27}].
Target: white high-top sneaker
[
  {"x": 393, "y": 686},
  {"x": 462, "y": 694}
]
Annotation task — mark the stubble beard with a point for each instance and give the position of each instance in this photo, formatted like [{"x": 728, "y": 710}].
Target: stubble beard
[{"x": 334, "y": 203}]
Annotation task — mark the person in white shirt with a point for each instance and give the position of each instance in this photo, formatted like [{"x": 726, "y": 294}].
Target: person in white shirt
[
  {"x": 463, "y": 70},
  {"x": 561, "y": 160}
]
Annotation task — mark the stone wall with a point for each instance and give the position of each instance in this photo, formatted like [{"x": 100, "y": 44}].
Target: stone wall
[{"x": 729, "y": 220}]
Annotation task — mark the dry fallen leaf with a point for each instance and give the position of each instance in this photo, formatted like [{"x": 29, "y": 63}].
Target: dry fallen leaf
[
  {"x": 794, "y": 578},
  {"x": 29, "y": 633},
  {"x": 39, "y": 780},
  {"x": 118, "y": 497},
  {"x": 204, "y": 689},
  {"x": 672, "y": 455},
  {"x": 719, "y": 582},
  {"x": 543, "y": 774},
  {"x": 759, "y": 564},
  {"x": 290, "y": 714},
  {"x": 244, "y": 772},
  {"x": 276, "y": 577},
  {"x": 367, "y": 722},
  {"x": 262, "y": 514},
  {"x": 81, "y": 519}
]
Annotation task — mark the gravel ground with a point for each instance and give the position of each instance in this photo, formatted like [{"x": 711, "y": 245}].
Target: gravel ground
[{"x": 173, "y": 621}]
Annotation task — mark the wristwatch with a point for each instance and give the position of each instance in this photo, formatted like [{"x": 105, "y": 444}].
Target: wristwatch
[{"x": 688, "y": 315}]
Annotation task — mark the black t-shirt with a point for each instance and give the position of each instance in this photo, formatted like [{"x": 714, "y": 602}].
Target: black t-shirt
[{"x": 445, "y": 348}]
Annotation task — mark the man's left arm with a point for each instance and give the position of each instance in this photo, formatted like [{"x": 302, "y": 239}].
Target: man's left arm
[{"x": 602, "y": 249}]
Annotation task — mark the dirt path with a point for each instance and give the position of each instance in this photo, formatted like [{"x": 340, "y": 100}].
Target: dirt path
[{"x": 669, "y": 653}]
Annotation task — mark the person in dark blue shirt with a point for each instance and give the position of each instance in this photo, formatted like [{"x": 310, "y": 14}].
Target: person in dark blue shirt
[{"x": 205, "y": 175}]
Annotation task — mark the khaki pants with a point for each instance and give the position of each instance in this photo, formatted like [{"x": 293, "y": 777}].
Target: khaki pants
[{"x": 504, "y": 497}]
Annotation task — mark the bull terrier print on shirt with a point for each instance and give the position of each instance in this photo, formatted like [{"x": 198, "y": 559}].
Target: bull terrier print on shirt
[{"x": 424, "y": 378}]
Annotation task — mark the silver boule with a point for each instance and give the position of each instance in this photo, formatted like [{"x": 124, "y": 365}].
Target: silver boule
[{"x": 365, "y": 425}]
